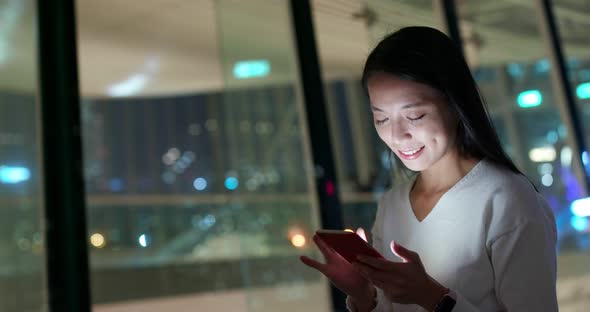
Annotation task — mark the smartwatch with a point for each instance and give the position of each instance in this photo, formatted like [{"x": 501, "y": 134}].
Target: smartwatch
[{"x": 447, "y": 302}]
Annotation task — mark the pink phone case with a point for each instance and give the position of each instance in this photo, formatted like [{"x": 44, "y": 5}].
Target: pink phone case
[{"x": 349, "y": 245}]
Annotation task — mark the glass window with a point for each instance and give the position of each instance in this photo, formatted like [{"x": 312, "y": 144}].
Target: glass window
[
  {"x": 510, "y": 62},
  {"x": 22, "y": 261},
  {"x": 199, "y": 193}
]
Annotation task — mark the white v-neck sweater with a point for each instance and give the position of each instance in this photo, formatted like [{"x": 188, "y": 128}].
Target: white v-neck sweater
[{"x": 491, "y": 239}]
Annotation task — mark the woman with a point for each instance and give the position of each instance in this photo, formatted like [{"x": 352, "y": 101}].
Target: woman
[{"x": 468, "y": 232}]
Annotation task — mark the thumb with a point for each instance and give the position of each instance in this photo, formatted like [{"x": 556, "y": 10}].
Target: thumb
[{"x": 405, "y": 254}]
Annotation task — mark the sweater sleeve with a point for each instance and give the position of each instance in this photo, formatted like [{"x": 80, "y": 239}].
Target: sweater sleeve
[
  {"x": 524, "y": 262},
  {"x": 383, "y": 305}
]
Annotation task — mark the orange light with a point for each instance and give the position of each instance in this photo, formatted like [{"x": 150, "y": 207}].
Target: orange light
[
  {"x": 349, "y": 230},
  {"x": 298, "y": 240}
]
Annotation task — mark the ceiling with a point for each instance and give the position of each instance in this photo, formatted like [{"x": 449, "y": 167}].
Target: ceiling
[{"x": 158, "y": 47}]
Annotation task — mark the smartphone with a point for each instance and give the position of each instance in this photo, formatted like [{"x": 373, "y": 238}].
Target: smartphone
[{"x": 348, "y": 244}]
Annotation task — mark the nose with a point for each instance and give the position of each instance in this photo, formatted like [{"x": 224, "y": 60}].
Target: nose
[{"x": 400, "y": 133}]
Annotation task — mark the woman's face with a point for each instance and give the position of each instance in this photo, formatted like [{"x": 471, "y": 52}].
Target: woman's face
[{"x": 413, "y": 119}]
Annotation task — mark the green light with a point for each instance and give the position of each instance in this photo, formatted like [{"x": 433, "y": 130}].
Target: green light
[
  {"x": 583, "y": 90},
  {"x": 530, "y": 98},
  {"x": 251, "y": 69}
]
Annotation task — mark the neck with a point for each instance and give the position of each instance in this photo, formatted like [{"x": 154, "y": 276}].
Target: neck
[{"x": 444, "y": 173}]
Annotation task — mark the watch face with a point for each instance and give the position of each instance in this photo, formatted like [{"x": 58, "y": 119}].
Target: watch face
[{"x": 446, "y": 304}]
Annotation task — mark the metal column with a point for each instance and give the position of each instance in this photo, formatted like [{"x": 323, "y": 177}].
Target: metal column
[
  {"x": 317, "y": 120},
  {"x": 63, "y": 183}
]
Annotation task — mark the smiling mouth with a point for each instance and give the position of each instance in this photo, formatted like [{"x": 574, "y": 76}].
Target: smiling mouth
[{"x": 411, "y": 152}]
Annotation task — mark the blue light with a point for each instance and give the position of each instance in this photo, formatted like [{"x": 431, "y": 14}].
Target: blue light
[
  {"x": 231, "y": 183},
  {"x": 200, "y": 184},
  {"x": 530, "y": 98},
  {"x": 552, "y": 137},
  {"x": 203, "y": 223},
  {"x": 207, "y": 222},
  {"x": 515, "y": 70},
  {"x": 583, "y": 91},
  {"x": 14, "y": 175},
  {"x": 144, "y": 240},
  {"x": 542, "y": 66},
  {"x": 573, "y": 62},
  {"x": 581, "y": 207},
  {"x": 116, "y": 185},
  {"x": 584, "y": 74},
  {"x": 251, "y": 69},
  {"x": 579, "y": 224}
]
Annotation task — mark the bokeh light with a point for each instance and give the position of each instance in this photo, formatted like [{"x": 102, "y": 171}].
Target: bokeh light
[{"x": 298, "y": 240}]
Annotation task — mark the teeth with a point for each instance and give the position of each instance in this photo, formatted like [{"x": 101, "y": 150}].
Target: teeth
[{"x": 411, "y": 152}]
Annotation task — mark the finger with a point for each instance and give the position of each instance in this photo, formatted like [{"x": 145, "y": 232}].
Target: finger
[
  {"x": 380, "y": 284},
  {"x": 366, "y": 271},
  {"x": 312, "y": 263},
  {"x": 326, "y": 250},
  {"x": 370, "y": 273},
  {"x": 381, "y": 281},
  {"x": 393, "y": 294},
  {"x": 377, "y": 263},
  {"x": 405, "y": 254},
  {"x": 361, "y": 232},
  {"x": 393, "y": 249}
]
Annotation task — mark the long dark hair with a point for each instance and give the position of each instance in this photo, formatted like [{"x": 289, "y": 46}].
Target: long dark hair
[{"x": 428, "y": 56}]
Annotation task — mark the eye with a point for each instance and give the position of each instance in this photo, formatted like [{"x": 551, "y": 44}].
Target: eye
[
  {"x": 417, "y": 118},
  {"x": 381, "y": 121}
]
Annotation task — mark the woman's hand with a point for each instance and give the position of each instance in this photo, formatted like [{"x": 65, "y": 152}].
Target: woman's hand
[
  {"x": 405, "y": 283},
  {"x": 341, "y": 273}
]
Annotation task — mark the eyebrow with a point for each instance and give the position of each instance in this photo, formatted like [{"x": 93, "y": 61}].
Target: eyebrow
[{"x": 409, "y": 105}]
